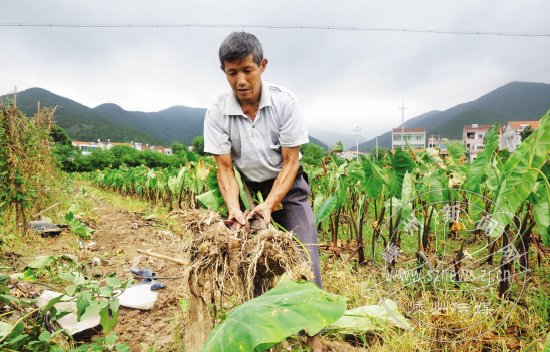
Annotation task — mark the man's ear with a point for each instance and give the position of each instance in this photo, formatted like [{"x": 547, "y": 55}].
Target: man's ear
[{"x": 263, "y": 64}]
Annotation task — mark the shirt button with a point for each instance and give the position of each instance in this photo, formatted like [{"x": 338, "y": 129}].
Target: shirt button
[{"x": 253, "y": 126}]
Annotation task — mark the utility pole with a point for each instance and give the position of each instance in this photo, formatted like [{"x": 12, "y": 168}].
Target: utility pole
[
  {"x": 402, "y": 108},
  {"x": 357, "y": 130}
]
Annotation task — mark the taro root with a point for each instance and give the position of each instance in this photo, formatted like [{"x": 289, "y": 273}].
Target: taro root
[{"x": 233, "y": 264}]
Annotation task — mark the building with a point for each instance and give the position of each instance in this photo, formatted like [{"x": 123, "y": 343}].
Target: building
[
  {"x": 350, "y": 154},
  {"x": 414, "y": 137},
  {"x": 510, "y": 137},
  {"x": 472, "y": 136},
  {"x": 436, "y": 142},
  {"x": 156, "y": 148},
  {"x": 441, "y": 143},
  {"x": 88, "y": 147}
]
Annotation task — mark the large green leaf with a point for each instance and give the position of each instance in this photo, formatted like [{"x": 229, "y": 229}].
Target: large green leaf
[
  {"x": 281, "y": 312},
  {"x": 521, "y": 171},
  {"x": 430, "y": 188},
  {"x": 211, "y": 200},
  {"x": 325, "y": 209},
  {"x": 541, "y": 213},
  {"x": 373, "y": 181},
  {"x": 457, "y": 151},
  {"x": 377, "y": 317},
  {"x": 402, "y": 163},
  {"x": 407, "y": 189},
  {"x": 477, "y": 174}
]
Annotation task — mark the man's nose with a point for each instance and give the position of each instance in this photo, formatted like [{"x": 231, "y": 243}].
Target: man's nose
[{"x": 241, "y": 80}]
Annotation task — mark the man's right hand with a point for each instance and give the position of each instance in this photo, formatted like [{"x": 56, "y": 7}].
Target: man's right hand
[{"x": 237, "y": 216}]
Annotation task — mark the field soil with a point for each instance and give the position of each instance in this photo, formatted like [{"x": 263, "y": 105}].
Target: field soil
[
  {"x": 117, "y": 237},
  {"x": 118, "y": 234}
]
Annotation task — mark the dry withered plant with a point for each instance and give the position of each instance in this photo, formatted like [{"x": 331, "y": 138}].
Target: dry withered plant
[{"x": 27, "y": 168}]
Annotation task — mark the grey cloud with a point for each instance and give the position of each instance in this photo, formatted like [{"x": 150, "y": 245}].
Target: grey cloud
[{"x": 353, "y": 77}]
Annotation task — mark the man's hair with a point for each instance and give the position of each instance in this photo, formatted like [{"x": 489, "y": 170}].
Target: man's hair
[{"x": 239, "y": 45}]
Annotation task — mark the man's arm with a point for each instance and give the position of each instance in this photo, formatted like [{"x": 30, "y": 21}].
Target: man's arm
[
  {"x": 282, "y": 184},
  {"x": 229, "y": 187}
]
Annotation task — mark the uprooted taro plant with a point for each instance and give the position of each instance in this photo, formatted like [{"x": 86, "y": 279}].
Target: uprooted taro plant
[{"x": 226, "y": 264}]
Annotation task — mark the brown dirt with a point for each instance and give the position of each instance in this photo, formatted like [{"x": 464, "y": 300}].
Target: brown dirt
[{"x": 118, "y": 234}]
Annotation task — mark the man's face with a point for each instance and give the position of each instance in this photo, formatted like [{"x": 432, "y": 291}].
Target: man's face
[{"x": 244, "y": 77}]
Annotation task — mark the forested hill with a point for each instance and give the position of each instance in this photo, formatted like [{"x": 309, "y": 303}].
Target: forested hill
[
  {"x": 513, "y": 101},
  {"x": 110, "y": 121}
]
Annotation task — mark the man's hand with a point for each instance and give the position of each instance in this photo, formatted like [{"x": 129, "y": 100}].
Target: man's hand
[
  {"x": 263, "y": 211},
  {"x": 237, "y": 216}
]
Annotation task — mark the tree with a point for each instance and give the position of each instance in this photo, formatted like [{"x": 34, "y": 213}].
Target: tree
[
  {"x": 312, "y": 154},
  {"x": 60, "y": 136},
  {"x": 526, "y": 132},
  {"x": 178, "y": 148},
  {"x": 338, "y": 147},
  {"x": 198, "y": 144},
  {"x": 100, "y": 159},
  {"x": 67, "y": 157}
]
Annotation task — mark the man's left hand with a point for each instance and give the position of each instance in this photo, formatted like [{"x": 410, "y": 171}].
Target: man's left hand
[{"x": 262, "y": 210}]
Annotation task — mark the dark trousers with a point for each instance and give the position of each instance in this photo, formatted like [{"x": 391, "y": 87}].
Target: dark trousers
[{"x": 296, "y": 216}]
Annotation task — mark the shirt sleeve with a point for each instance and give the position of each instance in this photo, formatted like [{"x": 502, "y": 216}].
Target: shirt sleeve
[
  {"x": 216, "y": 138},
  {"x": 293, "y": 128}
]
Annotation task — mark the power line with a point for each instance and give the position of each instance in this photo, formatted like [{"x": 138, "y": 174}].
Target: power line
[{"x": 279, "y": 26}]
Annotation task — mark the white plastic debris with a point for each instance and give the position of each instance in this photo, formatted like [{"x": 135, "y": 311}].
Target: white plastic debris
[
  {"x": 68, "y": 322},
  {"x": 138, "y": 297}
]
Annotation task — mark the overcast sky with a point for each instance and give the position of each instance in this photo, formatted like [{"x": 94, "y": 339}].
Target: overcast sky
[{"x": 342, "y": 78}]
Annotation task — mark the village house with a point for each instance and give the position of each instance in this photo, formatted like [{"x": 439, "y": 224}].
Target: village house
[
  {"x": 510, "y": 137},
  {"x": 472, "y": 136},
  {"x": 414, "y": 137},
  {"x": 88, "y": 147}
]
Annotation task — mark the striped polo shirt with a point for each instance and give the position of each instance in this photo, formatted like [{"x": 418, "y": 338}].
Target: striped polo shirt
[{"x": 255, "y": 146}]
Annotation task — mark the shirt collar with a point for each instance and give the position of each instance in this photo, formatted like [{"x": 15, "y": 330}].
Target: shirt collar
[{"x": 232, "y": 106}]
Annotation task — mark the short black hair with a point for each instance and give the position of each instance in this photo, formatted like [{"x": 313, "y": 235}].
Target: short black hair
[{"x": 239, "y": 45}]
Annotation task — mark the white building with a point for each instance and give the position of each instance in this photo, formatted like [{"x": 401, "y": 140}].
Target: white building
[
  {"x": 510, "y": 137},
  {"x": 415, "y": 137},
  {"x": 472, "y": 136},
  {"x": 88, "y": 147},
  {"x": 350, "y": 154}
]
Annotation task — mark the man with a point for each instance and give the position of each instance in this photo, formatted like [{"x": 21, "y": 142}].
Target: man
[{"x": 259, "y": 127}]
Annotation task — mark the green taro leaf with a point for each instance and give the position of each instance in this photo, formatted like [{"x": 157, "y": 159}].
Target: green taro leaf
[
  {"x": 325, "y": 209},
  {"x": 520, "y": 174},
  {"x": 477, "y": 174},
  {"x": 280, "y": 312},
  {"x": 211, "y": 200},
  {"x": 378, "y": 317},
  {"x": 541, "y": 213}
]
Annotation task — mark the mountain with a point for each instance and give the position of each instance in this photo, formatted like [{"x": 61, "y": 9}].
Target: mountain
[
  {"x": 175, "y": 124},
  {"x": 332, "y": 137},
  {"x": 110, "y": 121},
  {"x": 79, "y": 121},
  {"x": 513, "y": 101},
  {"x": 318, "y": 142}
]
